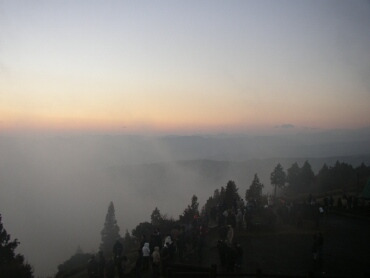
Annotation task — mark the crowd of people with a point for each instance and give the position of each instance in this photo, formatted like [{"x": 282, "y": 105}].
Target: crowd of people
[{"x": 154, "y": 253}]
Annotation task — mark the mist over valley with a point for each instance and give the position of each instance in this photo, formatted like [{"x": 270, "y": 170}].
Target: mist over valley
[{"x": 55, "y": 190}]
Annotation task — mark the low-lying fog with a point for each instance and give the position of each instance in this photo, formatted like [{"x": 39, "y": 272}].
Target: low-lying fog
[{"x": 55, "y": 190}]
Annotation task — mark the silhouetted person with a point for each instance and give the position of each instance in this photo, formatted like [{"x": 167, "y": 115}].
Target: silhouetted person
[
  {"x": 222, "y": 251},
  {"x": 320, "y": 244},
  {"x": 181, "y": 243},
  {"x": 231, "y": 256},
  {"x": 200, "y": 246},
  {"x": 172, "y": 251},
  {"x": 109, "y": 268},
  {"x": 138, "y": 264},
  {"x": 101, "y": 264},
  {"x": 124, "y": 264},
  {"x": 239, "y": 255},
  {"x": 165, "y": 257},
  {"x": 331, "y": 201},
  {"x": 158, "y": 239},
  {"x": 156, "y": 262},
  {"x": 314, "y": 250},
  {"x": 117, "y": 251}
]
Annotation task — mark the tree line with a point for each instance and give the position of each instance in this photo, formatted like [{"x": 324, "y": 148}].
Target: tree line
[{"x": 294, "y": 180}]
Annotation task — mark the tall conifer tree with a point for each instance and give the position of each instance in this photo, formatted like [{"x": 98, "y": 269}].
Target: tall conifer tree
[
  {"x": 278, "y": 177},
  {"x": 110, "y": 232}
]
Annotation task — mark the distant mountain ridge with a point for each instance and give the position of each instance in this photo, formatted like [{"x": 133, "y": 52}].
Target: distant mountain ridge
[{"x": 214, "y": 174}]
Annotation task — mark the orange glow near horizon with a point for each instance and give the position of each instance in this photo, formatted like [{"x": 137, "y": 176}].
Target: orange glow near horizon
[{"x": 159, "y": 125}]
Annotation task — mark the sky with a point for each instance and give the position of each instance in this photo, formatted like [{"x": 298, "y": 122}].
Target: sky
[{"x": 149, "y": 67}]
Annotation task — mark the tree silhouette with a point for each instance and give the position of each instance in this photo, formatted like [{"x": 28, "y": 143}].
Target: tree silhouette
[
  {"x": 231, "y": 193},
  {"x": 278, "y": 177},
  {"x": 190, "y": 211},
  {"x": 156, "y": 217},
  {"x": 323, "y": 178},
  {"x": 110, "y": 232},
  {"x": 79, "y": 250},
  {"x": 11, "y": 264},
  {"x": 307, "y": 176},
  {"x": 129, "y": 241},
  {"x": 194, "y": 204},
  {"x": 293, "y": 176},
  {"x": 144, "y": 228},
  {"x": 254, "y": 193}
]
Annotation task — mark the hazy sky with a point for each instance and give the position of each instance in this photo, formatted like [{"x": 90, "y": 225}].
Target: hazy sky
[{"x": 183, "y": 66}]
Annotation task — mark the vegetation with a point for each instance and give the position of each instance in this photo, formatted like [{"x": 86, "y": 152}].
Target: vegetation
[
  {"x": 254, "y": 193},
  {"x": 296, "y": 181},
  {"x": 278, "y": 177},
  {"x": 110, "y": 232},
  {"x": 231, "y": 193},
  {"x": 190, "y": 211},
  {"x": 73, "y": 265},
  {"x": 12, "y": 265},
  {"x": 340, "y": 176}
]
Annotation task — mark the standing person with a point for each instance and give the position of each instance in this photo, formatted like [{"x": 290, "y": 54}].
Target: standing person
[
  {"x": 158, "y": 239},
  {"x": 230, "y": 258},
  {"x": 314, "y": 250},
  {"x": 165, "y": 257},
  {"x": 156, "y": 256},
  {"x": 320, "y": 243},
  {"x": 181, "y": 243},
  {"x": 146, "y": 256},
  {"x": 101, "y": 264},
  {"x": 172, "y": 251},
  {"x": 239, "y": 219},
  {"x": 230, "y": 234},
  {"x": 124, "y": 264},
  {"x": 109, "y": 268},
  {"x": 117, "y": 251},
  {"x": 222, "y": 250},
  {"x": 200, "y": 246},
  {"x": 239, "y": 255},
  {"x": 138, "y": 264}
]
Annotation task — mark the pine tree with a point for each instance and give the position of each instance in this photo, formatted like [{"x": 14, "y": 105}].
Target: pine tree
[
  {"x": 231, "y": 193},
  {"x": 278, "y": 177},
  {"x": 156, "y": 217},
  {"x": 307, "y": 175},
  {"x": 190, "y": 211},
  {"x": 128, "y": 241},
  {"x": 254, "y": 193},
  {"x": 110, "y": 232},
  {"x": 293, "y": 177}
]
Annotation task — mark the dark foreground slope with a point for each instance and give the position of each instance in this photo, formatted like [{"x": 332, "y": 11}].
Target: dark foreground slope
[{"x": 345, "y": 253}]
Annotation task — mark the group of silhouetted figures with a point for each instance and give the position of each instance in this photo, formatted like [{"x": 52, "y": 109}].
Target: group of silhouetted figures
[
  {"x": 102, "y": 268},
  {"x": 154, "y": 254},
  {"x": 231, "y": 253},
  {"x": 157, "y": 253}
]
